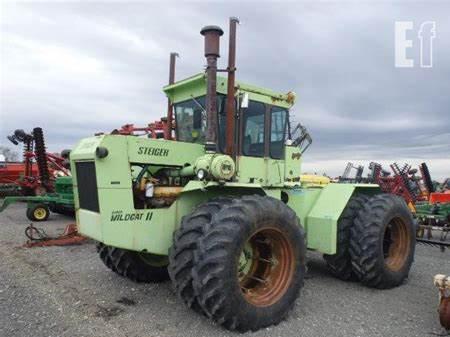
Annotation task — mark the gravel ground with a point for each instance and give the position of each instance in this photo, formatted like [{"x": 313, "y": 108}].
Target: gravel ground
[{"x": 67, "y": 291}]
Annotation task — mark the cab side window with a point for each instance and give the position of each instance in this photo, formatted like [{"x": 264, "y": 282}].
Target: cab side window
[
  {"x": 277, "y": 131},
  {"x": 253, "y": 142}
]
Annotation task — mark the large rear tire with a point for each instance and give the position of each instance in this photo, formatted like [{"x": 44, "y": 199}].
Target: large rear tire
[
  {"x": 182, "y": 253},
  {"x": 383, "y": 242},
  {"x": 340, "y": 264},
  {"x": 251, "y": 264},
  {"x": 138, "y": 267}
]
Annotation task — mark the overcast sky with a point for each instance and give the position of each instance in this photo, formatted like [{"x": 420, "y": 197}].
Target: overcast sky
[{"x": 76, "y": 69}]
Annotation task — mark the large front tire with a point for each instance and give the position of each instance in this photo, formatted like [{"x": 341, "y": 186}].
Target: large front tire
[
  {"x": 138, "y": 267},
  {"x": 184, "y": 248},
  {"x": 251, "y": 264},
  {"x": 383, "y": 242}
]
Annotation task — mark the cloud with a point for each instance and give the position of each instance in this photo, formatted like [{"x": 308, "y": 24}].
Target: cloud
[{"x": 79, "y": 68}]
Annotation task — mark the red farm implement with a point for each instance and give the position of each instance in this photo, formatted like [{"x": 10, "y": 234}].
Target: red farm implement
[
  {"x": 37, "y": 173},
  {"x": 10, "y": 172},
  {"x": 411, "y": 184}
]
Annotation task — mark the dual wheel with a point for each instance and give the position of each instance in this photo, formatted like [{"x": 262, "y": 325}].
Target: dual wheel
[
  {"x": 375, "y": 241},
  {"x": 241, "y": 261}
]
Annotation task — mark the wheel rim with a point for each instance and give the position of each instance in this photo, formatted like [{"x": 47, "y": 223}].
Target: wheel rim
[
  {"x": 39, "y": 213},
  {"x": 154, "y": 260},
  {"x": 396, "y": 244},
  {"x": 266, "y": 267}
]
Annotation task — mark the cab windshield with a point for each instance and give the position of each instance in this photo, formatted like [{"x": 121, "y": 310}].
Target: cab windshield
[
  {"x": 190, "y": 118},
  {"x": 263, "y": 126}
]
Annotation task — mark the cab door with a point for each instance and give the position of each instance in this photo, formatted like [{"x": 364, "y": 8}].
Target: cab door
[{"x": 261, "y": 144}]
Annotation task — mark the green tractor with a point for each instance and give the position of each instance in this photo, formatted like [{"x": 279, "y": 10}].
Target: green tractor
[
  {"x": 219, "y": 207},
  {"x": 39, "y": 206}
]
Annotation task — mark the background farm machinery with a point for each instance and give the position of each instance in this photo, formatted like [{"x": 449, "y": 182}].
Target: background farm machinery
[
  {"x": 156, "y": 130},
  {"x": 44, "y": 183},
  {"x": 39, "y": 206},
  {"x": 39, "y": 168},
  {"x": 434, "y": 217},
  {"x": 11, "y": 174},
  {"x": 403, "y": 181},
  {"x": 433, "y": 223}
]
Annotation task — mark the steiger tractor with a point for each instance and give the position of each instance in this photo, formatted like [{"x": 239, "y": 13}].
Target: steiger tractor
[{"x": 219, "y": 206}]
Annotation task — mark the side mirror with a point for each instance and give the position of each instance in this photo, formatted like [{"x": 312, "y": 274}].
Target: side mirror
[
  {"x": 244, "y": 101},
  {"x": 302, "y": 138}
]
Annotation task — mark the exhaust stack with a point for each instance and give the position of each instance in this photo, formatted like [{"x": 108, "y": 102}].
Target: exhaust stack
[
  {"x": 230, "y": 105},
  {"x": 168, "y": 132},
  {"x": 212, "y": 36}
]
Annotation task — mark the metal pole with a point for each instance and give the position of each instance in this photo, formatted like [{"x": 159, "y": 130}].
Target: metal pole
[
  {"x": 230, "y": 106},
  {"x": 168, "y": 131}
]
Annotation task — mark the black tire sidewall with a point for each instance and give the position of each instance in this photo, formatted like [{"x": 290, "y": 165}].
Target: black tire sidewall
[
  {"x": 340, "y": 264},
  {"x": 129, "y": 264},
  {"x": 268, "y": 315},
  {"x": 30, "y": 212},
  {"x": 401, "y": 212}
]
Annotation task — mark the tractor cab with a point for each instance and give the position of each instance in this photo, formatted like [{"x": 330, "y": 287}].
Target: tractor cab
[
  {"x": 245, "y": 130},
  {"x": 262, "y": 133},
  {"x": 190, "y": 114}
]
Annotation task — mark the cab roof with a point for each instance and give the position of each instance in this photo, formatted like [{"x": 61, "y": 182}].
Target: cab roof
[{"x": 195, "y": 86}]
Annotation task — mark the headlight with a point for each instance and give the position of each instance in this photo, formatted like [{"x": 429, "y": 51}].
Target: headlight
[
  {"x": 201, "y": 174},
  {"x": 101, "y": 152}
]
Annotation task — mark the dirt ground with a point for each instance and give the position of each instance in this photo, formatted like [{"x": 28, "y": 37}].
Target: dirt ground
[{"x": 67, "y": 291}]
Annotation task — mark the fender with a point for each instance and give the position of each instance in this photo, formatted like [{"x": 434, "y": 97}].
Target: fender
[
  {"x": 321, "y": 221},
  {"x": 197, "y": 192}
]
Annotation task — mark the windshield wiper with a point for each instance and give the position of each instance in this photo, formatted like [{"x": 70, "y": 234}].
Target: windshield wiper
[{"x": 200, "y": 106}]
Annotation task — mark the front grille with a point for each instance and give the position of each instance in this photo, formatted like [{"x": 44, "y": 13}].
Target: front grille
[{"x": 87, "y": 185}]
